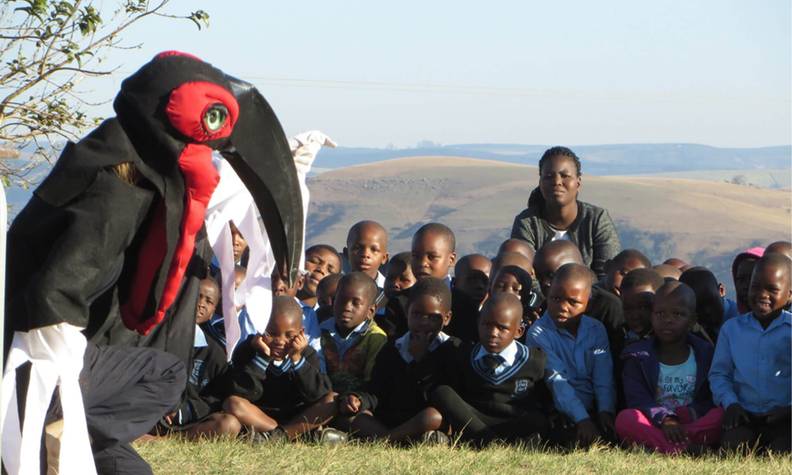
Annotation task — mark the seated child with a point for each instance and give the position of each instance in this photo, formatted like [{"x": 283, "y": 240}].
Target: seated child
[
  {"x": 665, "y": 380},
  {"x": 709, "y": 303},
  {"x": 602, "y": 305},
  {"x": 276, "y": 388},
  {"x": 321, "y": 260},
  {"x": 495, "y": 388},
  {"x": 780, "y": 247},
  {"x": 398, "y": 275},
  {"x": 310, "y": 321},
  {"x": 579, "y": 364},
  {"x": 637, "y": 296},
  {"x": 240, "y": 245},
  {"x": 621, "y": 265},
  {"x": 667, "y": 271},
  {"x": 742, "y": 269},
  {"x": 351, "y": 340},
  {"x": 398, "y": 280},
  {"x": 516, "y": 281},
  {"x": 367, "y": 249},
  {"x": 325, "y": 296},
  {"x": 519, "y": 246},
  {"x": 432, "y": 255},
  {"x": 406, "y": 370},
  {"x": 468, "y": 289},
  {"x": 750, "y": 375},
  {"x": 198, "y": 414},
  {"x": 471, "y": 277},
  {"x": 678, "y": 263},
  {"x": 433, "y": 251}
]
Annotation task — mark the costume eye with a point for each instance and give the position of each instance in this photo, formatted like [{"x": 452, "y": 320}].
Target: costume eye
[{"x": 215, "y": 117}]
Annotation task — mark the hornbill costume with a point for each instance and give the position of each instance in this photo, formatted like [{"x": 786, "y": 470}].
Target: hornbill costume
[{"x": 112, "y": 244}]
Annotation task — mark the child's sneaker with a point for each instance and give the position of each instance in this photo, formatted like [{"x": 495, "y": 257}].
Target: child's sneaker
[{"x": 275, "y": 435}]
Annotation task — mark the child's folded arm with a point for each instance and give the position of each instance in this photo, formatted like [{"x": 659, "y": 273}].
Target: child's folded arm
[{"x": 721, "y": 375}]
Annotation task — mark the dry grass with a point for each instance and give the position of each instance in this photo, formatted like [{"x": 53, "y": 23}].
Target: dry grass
[{"x": 236, "y": 457}]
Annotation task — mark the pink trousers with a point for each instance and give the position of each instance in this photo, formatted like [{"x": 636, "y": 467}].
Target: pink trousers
[{"x": 634, "y": 427}]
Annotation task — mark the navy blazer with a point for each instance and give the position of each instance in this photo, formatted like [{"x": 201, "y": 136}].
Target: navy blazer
[{"x": 642, "y": 369}]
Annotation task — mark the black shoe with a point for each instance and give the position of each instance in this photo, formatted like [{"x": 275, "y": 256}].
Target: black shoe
[
  {"x": 275, "y": 435},
  {"x": 330, "y": 436},
  {"x": 435, "y": 437}
]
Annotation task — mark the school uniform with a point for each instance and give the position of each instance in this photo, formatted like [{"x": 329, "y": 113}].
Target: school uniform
[
  {"x": 751, "y": 367},
  {"x": 579, "y": 369},
  {"x": 203, "y": 396},
  {"x": 464, "y": 317},
  {"x": 494, "y": 396},
  {"x": 654, "y": 391},
  {"x": 393, "y": 321},
  {"x": 400, "y": 386},
  {"x": 310, "y": 325},
  {"x": 282, "y": 389},
  {"x": 349, "y": 361}
]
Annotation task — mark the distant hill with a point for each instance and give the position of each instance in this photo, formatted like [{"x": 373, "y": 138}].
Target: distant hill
[
  {"x": 705, "y": 223},
  {"x": 619, "y": 159}
]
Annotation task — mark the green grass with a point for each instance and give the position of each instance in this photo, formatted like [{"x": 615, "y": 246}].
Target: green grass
[{"x": 235, "y": 457}]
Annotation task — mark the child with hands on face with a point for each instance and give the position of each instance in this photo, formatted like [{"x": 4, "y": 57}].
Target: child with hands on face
[{"x": 276, "y": 388}]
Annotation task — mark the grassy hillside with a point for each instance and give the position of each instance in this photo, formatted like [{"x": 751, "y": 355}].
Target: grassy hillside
[
  {"x": 233, "y": 457},
  {"x": 700, "y": 221}
]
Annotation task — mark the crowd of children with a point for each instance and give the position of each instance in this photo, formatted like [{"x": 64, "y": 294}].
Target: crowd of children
[{"x": 529, "y": 346}]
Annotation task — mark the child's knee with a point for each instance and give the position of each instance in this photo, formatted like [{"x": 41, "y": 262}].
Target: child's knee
[
  {"x": 227, "y": 424},
  {"x": 441, "y": 395},
  {"x": 627, "y": 420},
  {"x": 234, "y": 405},
  {"x": 431, "y": 417}
]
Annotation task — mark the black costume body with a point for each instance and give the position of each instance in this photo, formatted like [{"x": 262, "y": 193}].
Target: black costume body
[{"x": 79, "y": 250}]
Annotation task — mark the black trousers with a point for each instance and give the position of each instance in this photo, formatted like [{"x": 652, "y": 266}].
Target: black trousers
[
  {"x": 776, "y": 436},
  {"x": 126, "y": 390},
  {"x": 482, "y": 428}
]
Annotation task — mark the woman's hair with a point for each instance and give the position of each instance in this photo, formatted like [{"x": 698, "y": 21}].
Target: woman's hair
[
  {"x": 560, "y": 152},
  {"x": 536, "y": 200}
]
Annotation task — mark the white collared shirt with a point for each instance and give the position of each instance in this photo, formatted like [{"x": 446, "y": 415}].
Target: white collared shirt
[
  {"x": 508, "y": 354},
  {"x": 403, "y": 345}
]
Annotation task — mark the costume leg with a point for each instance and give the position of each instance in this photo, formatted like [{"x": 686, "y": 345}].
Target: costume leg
[
  {"x": 633, "y": 427},
  {"x": 120, "y": 459},
  {"x": 126, "y": 390}
]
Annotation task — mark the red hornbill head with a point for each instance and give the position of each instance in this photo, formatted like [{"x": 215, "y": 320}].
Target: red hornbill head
[{"x": 176, "y": 110}]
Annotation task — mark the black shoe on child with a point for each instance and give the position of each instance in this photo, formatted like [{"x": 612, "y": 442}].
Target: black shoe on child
[
  {"x": 275, "y": 435},
  {"x": 330, "y": 436}
]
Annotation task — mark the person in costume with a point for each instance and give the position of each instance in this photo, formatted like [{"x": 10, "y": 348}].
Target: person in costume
[{"x": 104, "y": 262}]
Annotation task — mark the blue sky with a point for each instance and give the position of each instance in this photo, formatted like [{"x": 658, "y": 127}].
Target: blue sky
[{"x": 571, "y": 72}]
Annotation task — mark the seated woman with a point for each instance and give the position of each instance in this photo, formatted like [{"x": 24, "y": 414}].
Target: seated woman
[{"x": 554, "y": 212}]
